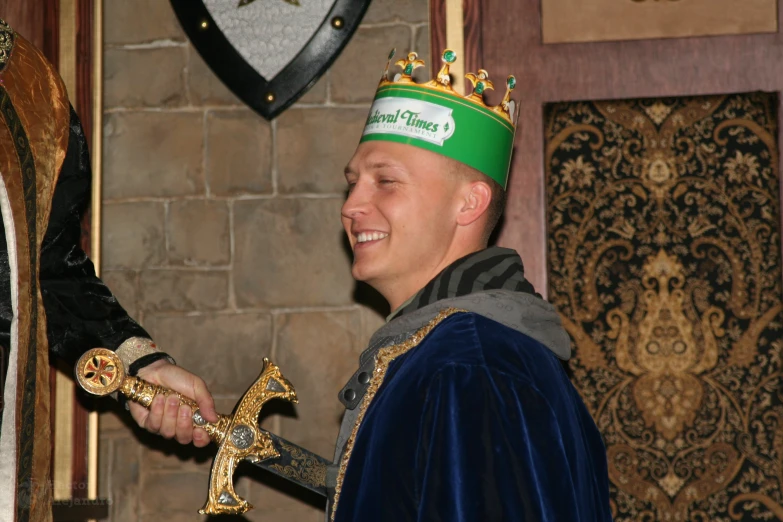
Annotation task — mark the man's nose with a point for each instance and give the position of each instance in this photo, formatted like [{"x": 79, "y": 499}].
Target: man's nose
[{"x": 357, "y": 203}]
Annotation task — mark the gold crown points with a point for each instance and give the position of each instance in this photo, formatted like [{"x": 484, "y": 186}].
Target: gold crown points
[{"x": 442, "y": 81}]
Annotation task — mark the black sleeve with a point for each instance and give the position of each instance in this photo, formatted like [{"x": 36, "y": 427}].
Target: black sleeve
[{"x": 81, "y": 312}]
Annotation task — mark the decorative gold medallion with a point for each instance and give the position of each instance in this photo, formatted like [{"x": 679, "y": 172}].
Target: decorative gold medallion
[{"x": 100, "y": 372}]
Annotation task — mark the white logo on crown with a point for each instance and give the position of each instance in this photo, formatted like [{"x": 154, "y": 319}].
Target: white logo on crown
[{"x": 412, "y": 118}]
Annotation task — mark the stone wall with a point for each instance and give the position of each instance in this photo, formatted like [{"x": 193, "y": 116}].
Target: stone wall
[{"x": 221, "y": 235}]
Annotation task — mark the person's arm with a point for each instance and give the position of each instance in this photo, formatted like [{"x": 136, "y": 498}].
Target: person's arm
[
  {"x": 82, "y": 313},
  {"x": 490, "y": 450}
]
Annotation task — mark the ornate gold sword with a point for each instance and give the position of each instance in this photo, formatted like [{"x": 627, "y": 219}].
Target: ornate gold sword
[{"x": 101, "y": 372}]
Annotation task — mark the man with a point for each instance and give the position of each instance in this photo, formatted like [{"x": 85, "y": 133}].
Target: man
[
  {"x": 460, "y": 409},
  {"x": 50, "y": 298}
]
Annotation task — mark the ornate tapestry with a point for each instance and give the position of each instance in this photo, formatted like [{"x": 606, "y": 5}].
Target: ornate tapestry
[{"x": 664, "y": 260}]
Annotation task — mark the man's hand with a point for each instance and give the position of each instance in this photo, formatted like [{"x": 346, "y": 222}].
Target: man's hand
[{"x": 165, "y": 415}]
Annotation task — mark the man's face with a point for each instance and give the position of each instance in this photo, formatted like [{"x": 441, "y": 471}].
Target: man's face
[{"x": 400, "y": 213}]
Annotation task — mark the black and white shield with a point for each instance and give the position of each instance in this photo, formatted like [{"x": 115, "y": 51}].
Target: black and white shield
[{"x": 269, "y": 52}]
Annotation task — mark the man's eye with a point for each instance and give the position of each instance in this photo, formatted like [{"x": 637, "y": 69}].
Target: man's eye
[
  {"x": 386, "y": 181},
  {"x": 351, "y": 187}
]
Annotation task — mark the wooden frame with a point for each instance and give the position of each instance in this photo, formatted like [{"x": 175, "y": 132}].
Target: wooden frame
[{"x": 506, "y": 38}]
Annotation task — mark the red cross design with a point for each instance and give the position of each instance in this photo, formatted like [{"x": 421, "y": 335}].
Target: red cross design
[{"x": 99, "y": 371}]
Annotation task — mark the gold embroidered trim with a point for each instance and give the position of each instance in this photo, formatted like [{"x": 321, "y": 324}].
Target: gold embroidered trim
[
  {"x": 6, "y": 42},
  {"x": 135, "y": 348},
  {"x": 382, "y": 360}
]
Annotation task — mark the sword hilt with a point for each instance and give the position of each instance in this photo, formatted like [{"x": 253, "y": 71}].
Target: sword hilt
[
  {"x": 238, "y": 436},
  {"x": 101, "y": 372}
]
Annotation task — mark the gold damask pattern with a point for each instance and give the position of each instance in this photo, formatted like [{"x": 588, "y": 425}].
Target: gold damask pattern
[{"x": 665, "y": 263}]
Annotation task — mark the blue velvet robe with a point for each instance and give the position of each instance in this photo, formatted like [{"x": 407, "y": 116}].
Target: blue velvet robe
[{"x": 479, "y": 422}]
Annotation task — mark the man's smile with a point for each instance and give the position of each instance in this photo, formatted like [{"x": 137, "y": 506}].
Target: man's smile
[{"x": 370, "y": 237}]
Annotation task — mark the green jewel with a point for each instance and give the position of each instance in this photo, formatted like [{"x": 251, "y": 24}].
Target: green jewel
[
  {"x": 479, "y": 88},
  {"x": 408, "y": 69},
  {"x": 392, "y": 53},
  {"x": 449, "y": 56},
  {"x": 511, "y": 82}
]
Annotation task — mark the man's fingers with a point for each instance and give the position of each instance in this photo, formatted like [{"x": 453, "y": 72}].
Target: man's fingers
[
  {"x": 166, "y": 417},
  {"x": 155, "y": 417},
  {"x": 200, "y": 438},
  {"x": 184, "y": 425},
  {"x": 168, "y": 426},
  {"x": 139, "y": 414},
  {"x": 206, "y": 404}
]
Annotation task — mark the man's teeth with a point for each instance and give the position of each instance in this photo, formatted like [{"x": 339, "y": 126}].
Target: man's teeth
[{"x": 370, "y": 236}]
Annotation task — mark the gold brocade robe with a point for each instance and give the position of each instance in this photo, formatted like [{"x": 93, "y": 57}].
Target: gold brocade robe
[{"x": 33, "y": 142}]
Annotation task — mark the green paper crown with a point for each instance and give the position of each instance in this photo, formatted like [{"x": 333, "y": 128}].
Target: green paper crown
[{"x": 435, "y": 117}]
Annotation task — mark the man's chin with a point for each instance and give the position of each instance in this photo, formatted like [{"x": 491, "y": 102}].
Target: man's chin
[
  {"x": 359, "y": 274},
  {"x": 364, "y": 272}
]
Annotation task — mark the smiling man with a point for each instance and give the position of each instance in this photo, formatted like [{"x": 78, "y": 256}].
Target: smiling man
[{"x": 460, "y": 409}]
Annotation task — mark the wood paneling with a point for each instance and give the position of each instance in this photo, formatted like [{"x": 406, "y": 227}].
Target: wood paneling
[
  {"x": 26, "y": 18},
  {"x": 36, "y": 20},
  {"x": 472, "y": 27},
  {"x": 82, "y": 102},
  {"x": 604, "y": 20},
  {"x": 437, "y": 33},
  {"x": 471, "y": 30},
  {"x": 84, "y": 65},
  {"x": 512, "y": 44}
]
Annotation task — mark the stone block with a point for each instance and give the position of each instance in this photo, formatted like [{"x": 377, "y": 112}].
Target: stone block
[
  {"x": 239, "y": 153},
  {"x": 290, "y": 252},
  {"x": 198, "y": 232},
  {"x": 114, "y": 421},
  {"x": 279, "y": 505},
  {"x": 168, "y": 454},
  {"x": 318, "y": 353},
  {"x": 183, "y": 290},
  {"x": 151, "y": 153},
  {"x": 187, "y": 515},
  {"x": 204, "y": 87},
  {"x": 122, "y": 284},
  {"x": 354, "y": 76},
  {"x": 313, "y": 147},
  {"x": 140, "y": 21},
  {"x": 225, "y": 350},
  {"x": 282, "y": 500},
  {"x": 317, "y": 93},
  {"x": 128, "y": 82},
  {"x": 125, "y": 476},
  {"x": 167, "y": 492},
  {"x": 397, "y": 10},
  {"x": 133, "y": 235}
]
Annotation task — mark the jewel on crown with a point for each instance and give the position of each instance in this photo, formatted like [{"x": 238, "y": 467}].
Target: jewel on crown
[{"x": 442, "y": 81}]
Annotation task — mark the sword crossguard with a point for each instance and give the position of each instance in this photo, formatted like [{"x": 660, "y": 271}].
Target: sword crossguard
[{"x": 101, "y": 372}]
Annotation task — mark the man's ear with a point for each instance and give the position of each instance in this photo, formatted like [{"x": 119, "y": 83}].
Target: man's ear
[{"x": 476, "y": 197}]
